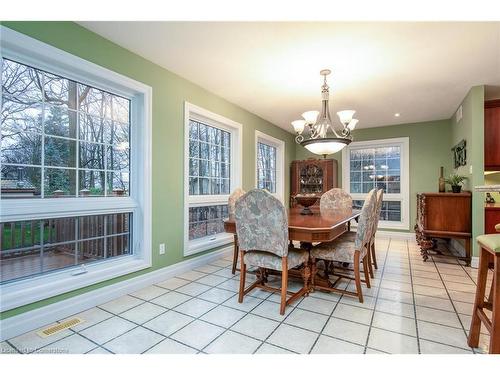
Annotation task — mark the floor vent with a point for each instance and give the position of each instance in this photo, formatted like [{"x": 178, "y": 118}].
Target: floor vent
[{"x": 58, "y": 327}]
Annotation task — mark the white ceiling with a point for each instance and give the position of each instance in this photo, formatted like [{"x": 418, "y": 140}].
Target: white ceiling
[{"x": 421, "y": 70}]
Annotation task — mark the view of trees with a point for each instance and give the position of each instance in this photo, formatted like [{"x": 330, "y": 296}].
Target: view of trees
[
  {"x": 266, "y": 167},
  {"x": 74, "y": 135}
]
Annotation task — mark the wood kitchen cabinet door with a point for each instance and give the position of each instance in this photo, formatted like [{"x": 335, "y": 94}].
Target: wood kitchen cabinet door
[{"x": 492, "y": 135}]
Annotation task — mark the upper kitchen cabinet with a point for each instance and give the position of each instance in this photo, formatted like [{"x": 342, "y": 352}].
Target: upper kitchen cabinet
[{"x": 492, "y": 135}]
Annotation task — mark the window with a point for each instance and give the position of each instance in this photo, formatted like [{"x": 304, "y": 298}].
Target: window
[
  {"x": 380, "y": 164},
  {"x": 74, "y": 170},
  {"x": 212, "y": 171},
  {"x": 270, "y": 165},
  {"x": 34, "y": 247},
  {"x": 61, "y": 137}
]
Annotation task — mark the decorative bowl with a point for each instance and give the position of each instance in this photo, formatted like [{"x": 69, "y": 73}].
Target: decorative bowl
[{"x": 306, "y": 200}]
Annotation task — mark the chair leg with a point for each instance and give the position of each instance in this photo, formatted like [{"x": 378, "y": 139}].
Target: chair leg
[
  {"x": 284, "y": 284},
  {"x": 369, "y": 261},
  {"x": 366, "y": 268},
  {"x": 482, "y": 273},
  {"x": 495, "y": 318},
  {"x": 357, "y": 276},
  {"x": 235, "y": 254},
  {"x": 243, "y": 274},
  {"x": 374, "y": 256}
]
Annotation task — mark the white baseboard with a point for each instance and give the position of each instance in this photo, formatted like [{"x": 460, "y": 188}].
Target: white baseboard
[
  {"x": 474, "y": 263},
  {"x": 31, "y": 320},
  {"x": 396, "y": 235}
]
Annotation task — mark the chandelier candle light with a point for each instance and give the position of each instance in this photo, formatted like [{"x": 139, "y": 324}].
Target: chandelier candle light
[{"x": 321, "y": 138}]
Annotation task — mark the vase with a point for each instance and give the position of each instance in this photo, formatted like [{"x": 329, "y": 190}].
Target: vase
[
  {"x": 456, "y": 188},
  {"x": 442, "y": 185}
]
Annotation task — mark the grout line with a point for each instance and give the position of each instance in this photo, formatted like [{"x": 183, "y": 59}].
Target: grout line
[
  {"x": 414, "y": 300},
  {"x": 326, "y": 323},
  {"x": 452, "y": 303},
  {"x": 376, "y": 297}
]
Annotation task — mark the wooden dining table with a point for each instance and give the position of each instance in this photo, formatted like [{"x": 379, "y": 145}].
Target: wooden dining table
[{"x": 308, "y": 229}]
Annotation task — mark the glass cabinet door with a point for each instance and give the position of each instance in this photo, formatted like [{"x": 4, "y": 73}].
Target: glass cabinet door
[{"x": 311, "y": 179}]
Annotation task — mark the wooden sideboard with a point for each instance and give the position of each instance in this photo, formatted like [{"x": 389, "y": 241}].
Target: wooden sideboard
[
  {"x": 312, "y": 176},
  {"x": 444, "y": 215}
]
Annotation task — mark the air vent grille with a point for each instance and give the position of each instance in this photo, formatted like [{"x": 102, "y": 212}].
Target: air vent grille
[{"x": 58, "y": 327}]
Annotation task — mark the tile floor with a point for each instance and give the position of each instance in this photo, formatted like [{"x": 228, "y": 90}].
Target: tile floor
[{"x": 412, "y": 307}]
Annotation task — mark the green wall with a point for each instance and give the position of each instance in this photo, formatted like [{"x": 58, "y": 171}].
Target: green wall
[
  {"x": 471, "y": 128},
  {"x": 169, "y": 93},
  {"x": 429, "y": 150}
]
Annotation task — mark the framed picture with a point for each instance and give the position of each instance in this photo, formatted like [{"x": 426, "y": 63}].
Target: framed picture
[{"x": 460, "y": 154}]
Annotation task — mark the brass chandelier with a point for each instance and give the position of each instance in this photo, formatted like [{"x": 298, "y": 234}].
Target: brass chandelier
[{"x": 317, "y": 133}]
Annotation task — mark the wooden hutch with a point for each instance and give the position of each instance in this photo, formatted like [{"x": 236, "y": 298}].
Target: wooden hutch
[
  {"x": 444, "y": 215},
  {"x": 312, "y": 176}
]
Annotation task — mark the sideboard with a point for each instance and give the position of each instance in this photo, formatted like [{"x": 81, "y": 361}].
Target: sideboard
[{"x": 444, "y": 215}]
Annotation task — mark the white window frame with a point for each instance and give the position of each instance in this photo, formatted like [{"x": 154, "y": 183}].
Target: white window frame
[
  {"x": 29, "y": 51},
  {"x": 280, "y": 161},
  {"x": 194, "y": 112},
  {"x": 404, "y": 196}
]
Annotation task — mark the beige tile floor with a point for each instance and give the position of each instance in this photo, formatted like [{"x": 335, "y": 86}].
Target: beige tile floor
[{"x": 412, "y": 307}]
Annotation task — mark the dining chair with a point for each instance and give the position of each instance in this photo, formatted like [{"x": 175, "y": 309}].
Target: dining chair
[
  {"x": 235, "y": 195},
  {"x": 335, "y": 200},
  {"x": 262, "y": 229},
  {"x": 372, "y": 257},
  {"x": 376, "y": 219},
  {"x": 346, "y": 250}
]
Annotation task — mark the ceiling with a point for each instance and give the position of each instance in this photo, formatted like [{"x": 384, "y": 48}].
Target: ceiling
[{"x": 421, "y": 70}]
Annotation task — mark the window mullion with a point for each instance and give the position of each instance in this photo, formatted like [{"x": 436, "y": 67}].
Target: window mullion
[{"x": 42, "y": 159}]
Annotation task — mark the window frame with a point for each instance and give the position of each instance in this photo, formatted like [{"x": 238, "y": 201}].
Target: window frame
[
  {"x": 264, "y": 138},
  {"x": 26, "y": 50},
  {"x": 192, "y": 111},
  {"x": 403, "y": 196}
]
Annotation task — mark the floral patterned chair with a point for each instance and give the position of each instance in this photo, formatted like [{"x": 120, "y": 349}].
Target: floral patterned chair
[
  {"x": 373, "y": 257},
  {"x": 335, "y": 200},
  {"x": 262, "y": 229},
  {"x": 231, "y": 203},
  {"x": 347, "y": 250}
]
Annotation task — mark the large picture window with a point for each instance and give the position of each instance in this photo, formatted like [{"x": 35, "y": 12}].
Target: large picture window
[
  {"x": 75, "y": 156},
  {"x": 212, "y": 171},
  {"x": 380, "y": 164},
  {"x": 61, "y": 137}
]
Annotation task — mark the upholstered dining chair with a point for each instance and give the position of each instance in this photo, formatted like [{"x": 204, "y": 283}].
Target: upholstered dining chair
[
  {"x": 335, "y": 200},
  {"x": 262, "y": 229},
  {"x": 235, "y": 195},
  {"x": 372, "y": 257},
  {"x": 346, "y": 250}
]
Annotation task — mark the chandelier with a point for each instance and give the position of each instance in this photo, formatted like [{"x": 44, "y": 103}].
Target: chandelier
[{"x": 320, "y": 136}]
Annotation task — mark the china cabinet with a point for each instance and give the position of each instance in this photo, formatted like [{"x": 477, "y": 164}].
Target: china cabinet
[{"x": 312, "y": 176}]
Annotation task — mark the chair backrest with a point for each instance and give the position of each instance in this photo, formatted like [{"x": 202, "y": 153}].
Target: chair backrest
[
  {"x": 261, "y": 223},
  {"x": 235, "y": 195},
  {"x": 364, "y": 229},
  {"x": 378, "y": 209},
  {"x": 335, "y": 200}
]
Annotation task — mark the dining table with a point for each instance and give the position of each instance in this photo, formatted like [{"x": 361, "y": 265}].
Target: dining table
[{"x": 310, "y": 229}]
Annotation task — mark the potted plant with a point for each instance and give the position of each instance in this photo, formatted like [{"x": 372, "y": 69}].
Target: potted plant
[{"x": 456, "y": 182}]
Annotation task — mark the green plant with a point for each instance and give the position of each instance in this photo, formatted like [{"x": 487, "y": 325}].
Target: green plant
[{"x": 455, "y": 180}]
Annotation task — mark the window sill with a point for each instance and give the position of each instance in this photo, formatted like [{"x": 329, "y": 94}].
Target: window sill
[
  {"x": 208, "y": 243},
  {"x": 23, "y": 292}
]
